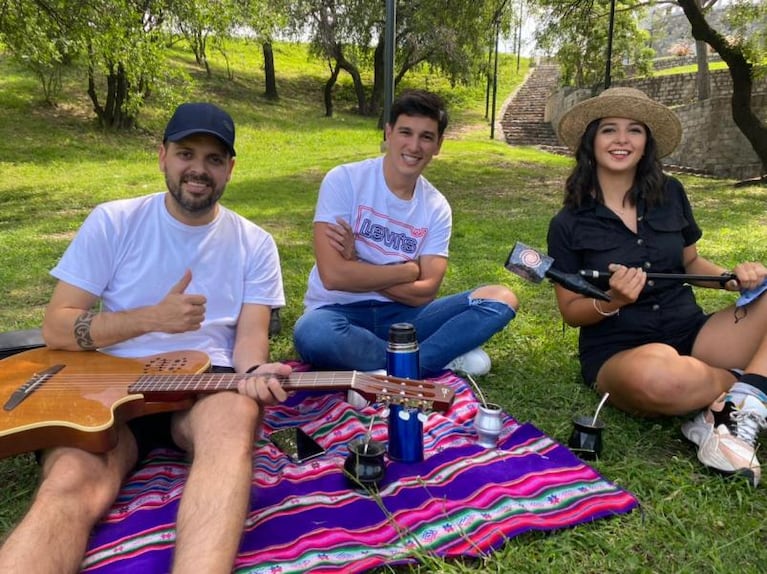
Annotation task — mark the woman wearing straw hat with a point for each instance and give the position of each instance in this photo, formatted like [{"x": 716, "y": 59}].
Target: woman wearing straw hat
[{"x": 651, "y": 346}]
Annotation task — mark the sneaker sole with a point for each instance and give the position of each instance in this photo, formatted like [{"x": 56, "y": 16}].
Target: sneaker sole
[
  {"x": 709, "y": 458},
  {"x": 697, "y": 433}
]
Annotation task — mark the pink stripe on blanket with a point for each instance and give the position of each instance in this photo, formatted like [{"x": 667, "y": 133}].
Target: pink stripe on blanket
[{"x": 462, "y": 500}]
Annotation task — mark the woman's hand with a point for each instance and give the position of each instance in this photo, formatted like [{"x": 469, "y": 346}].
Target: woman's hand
[
  {"x": 750, "y": 274},
  {"x": 626, "y": 283}
]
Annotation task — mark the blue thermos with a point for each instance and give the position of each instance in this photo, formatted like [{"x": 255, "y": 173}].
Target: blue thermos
[{"x": 405, "y": 425}]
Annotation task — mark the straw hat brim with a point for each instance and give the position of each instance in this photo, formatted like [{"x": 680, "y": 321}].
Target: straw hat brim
[{"x": 663, "y": 123}]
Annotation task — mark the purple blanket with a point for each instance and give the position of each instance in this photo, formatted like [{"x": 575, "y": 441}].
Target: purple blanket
[{"x": 462, "y": 500}]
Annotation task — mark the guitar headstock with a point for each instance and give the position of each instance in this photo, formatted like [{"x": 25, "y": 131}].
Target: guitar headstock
[{"x": 422, "y": 394}]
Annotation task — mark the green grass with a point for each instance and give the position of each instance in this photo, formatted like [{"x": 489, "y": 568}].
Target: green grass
[
  {"x": 56, "y": 166},
  {"x": 689, "y": 69}
]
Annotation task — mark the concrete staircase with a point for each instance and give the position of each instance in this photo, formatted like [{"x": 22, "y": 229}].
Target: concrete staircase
[{"x": 522, "y": 119}]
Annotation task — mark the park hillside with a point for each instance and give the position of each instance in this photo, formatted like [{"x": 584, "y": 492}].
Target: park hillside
[{"x": 57, "y": 164}]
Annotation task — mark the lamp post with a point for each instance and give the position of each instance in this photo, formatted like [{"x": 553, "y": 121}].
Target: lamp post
[
  {"x": 519, "y": 34},
  {"x": 610, "y": 44},
  {"x": 389, "y": 38},
  {"x": 495, "y": 78}
]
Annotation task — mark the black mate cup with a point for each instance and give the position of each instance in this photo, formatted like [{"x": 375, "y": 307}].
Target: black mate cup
[
  {"x": 586, "y": 438},
  {"x": 365, "y": 466}
]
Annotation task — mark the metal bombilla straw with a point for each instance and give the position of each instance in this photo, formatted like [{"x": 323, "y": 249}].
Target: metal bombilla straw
[
  {"x": 599, "y": 408},
  {"x": 369, "y": 434},
  {"x": 477, "y": 389}
]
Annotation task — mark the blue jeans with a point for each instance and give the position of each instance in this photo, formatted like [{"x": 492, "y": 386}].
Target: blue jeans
[{"x": 354, "y": 336}]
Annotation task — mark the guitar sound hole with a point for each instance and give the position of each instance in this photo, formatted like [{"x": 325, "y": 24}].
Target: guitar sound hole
[{"x": 162, "y": 364}]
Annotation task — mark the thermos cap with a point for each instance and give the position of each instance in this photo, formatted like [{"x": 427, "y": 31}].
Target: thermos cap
[{"x": 402, "y": 333}]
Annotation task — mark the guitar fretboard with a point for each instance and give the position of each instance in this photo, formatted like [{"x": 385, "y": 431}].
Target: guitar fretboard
[{"x": 214, "y": 382}]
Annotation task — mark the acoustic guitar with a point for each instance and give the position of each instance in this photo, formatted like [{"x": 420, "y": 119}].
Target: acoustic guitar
[{"x": 69, "y": 398}]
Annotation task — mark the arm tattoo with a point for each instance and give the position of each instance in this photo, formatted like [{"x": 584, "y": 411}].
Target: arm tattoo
[{"x": 83, "y": 331}]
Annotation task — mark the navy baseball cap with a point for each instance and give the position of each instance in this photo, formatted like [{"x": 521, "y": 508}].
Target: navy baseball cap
[{"x": 196, "y": 118}]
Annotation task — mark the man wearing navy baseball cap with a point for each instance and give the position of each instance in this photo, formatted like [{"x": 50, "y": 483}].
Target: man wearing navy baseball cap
[
  {"x": 195, "y": 118},
  {"x": 167, "y": 272}
]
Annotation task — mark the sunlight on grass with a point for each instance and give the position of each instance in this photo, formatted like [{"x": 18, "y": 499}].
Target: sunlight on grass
[
  {"x": 56, "y": 165},
  {"x": 692, "y": 68}
]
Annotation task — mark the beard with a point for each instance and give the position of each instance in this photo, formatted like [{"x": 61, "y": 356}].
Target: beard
[{"x": 193, "y": 204}]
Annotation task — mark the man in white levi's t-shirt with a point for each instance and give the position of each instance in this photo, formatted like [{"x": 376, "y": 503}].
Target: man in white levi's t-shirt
[
  {"x": 381, "y": 238},
  {"x": 172, "y": 271}
]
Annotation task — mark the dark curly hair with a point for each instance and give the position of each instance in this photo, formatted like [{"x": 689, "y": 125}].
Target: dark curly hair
[{"x": 582, "y": 182}]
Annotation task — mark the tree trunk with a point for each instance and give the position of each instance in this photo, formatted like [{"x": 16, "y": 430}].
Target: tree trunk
[
  {"x": 112, "y": 114},
  {"x": 328, "y": 91},
  {"x": 270, "y": 78},
  {"x": 409, "y": 61},
  {"x": 741, "y": 72},
  {"x": 352, "y": 70},
  {"x": 375, "y": 105},
  {"x": 703, "y": 78}
]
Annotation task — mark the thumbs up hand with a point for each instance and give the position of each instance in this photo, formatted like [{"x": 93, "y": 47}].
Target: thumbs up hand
[{"x": 179, "y": 311}]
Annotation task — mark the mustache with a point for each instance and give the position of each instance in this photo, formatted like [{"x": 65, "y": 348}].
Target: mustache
[{"x": 197, "y": 178}]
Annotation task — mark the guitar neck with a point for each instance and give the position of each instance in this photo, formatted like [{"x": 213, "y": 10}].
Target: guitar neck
[
  {"x": 150, "y": 385},
  {"x": 416, "y": 393}
]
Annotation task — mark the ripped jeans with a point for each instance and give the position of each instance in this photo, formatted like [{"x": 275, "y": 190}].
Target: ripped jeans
[{"x": 354, "y": 336}]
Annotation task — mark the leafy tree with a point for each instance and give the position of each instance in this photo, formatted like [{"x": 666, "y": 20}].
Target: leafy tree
[
  {"x": 265, "y": 18},
  {"x": 743, "y": 54},
  {"x": 41, "y": 40},
  {"x": 121, "y": 41},
  {"x": 452, "y": 36},
  {"x": 126, "y": 57},
  {"x": 204, "y": 21},
  {"x": 340, "y": 32},
  {"x": 576, "y": 31}
]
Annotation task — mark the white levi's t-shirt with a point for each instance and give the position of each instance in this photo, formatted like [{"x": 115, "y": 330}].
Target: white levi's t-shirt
[{"x": 388, "y": 230}]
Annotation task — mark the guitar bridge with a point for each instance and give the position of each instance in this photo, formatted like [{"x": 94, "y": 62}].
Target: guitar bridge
[{"x": 30, "y": 386}]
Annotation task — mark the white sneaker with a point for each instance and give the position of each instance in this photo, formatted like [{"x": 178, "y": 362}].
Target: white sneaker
[
  {"x": 474, "y": 363},
  {"x": 726, "y": 435}
]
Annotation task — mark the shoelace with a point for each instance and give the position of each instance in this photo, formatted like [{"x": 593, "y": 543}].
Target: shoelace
[{"x": 748, "y": 424}]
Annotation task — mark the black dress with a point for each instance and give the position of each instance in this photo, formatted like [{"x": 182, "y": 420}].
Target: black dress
[{"x": 592, "y": 236}]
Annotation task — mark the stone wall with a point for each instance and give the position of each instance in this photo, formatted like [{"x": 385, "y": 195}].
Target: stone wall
[
  {"x": 673, "y": 62},
  {"x": 711, "y": 142},
  {"x": 680, "y": 88}
]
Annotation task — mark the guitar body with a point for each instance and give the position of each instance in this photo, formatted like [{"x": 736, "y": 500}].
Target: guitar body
[
  {"x": 68, "y": 398},
  {"x": 81, "y": 403}
]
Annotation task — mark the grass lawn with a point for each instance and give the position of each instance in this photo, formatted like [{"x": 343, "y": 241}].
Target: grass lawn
[
  {"x": 56, "y": 166},
  {"x": 689, "y": 69}
]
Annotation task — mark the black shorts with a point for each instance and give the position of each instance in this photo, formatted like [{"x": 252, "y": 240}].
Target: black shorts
[
  {"x": 150, "y": 431},
  {"x": 153, "y": 431},
  {"x": 682, "y": 341}
]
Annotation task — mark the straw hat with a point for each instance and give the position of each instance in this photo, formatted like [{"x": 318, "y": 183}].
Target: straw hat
[{"x": 622, "y": 103}]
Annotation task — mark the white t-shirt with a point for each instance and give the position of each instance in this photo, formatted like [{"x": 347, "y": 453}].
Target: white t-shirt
[
  {"x": 388, "y": 230},
  {"x": 131, "y": 252}
]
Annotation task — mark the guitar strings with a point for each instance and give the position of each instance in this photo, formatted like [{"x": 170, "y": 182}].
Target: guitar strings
[{"x": 203, "y": 381}]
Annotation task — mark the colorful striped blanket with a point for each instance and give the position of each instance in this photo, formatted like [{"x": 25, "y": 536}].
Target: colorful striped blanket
[{"x": 462, "y": 500}]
